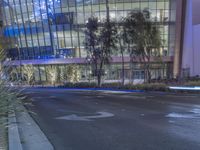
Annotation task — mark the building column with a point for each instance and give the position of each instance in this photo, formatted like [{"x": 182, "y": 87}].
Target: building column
[
  {"x": 179, "y": 36},
  {"x": 187, "y": 52}
]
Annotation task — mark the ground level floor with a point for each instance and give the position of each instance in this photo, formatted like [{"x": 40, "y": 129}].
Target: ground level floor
[{"x": 58, "y": 74}]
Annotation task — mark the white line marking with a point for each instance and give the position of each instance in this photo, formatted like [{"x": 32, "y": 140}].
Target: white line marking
[
  {"x": 119, "y": 92},
  {"x": 184, "y": 116},
  {"x": 196, "y": 111},
  {"x": 75, "y": 117}
]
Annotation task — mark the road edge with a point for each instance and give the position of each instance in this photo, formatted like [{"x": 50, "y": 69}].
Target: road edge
[
  {"x": 25, "y": 133},
  {"x": 14, "y": 142}
]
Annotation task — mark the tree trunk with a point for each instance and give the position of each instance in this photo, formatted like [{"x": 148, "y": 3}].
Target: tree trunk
[
  {"x": 148, "y": 69},
  {"x": 123, "y": 67},
  {"x": 99, "y": 80},
  {"x": 123, "y": 70},
  {"x": 107, "y": 12},
  {"x": 131, "y": 80},
  {"x": 100, "y": 73},
  {"x": 148, "y": 75}
]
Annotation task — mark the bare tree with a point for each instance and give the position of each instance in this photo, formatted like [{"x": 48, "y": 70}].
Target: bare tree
[
  {"x": 73, "y": 73},
  {"x": 52, "y": 74},
  {"x": 28, "y": 73}
]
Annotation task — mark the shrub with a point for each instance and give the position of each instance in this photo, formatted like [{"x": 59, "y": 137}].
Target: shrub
[
  {"x": 79, "y": 85},
  {"x": 112, "y": 85},
  {"x": 8, "y": 99},
  {"x": 8, "y": 96},
  {"x": 146, "y": 87},
  {"x": 192, "y": 83}
]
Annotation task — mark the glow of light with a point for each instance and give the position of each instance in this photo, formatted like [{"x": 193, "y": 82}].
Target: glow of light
[{"x": 196, "y": 88}]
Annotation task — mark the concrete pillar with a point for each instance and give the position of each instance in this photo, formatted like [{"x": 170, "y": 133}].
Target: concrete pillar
[
  {"x": 180, "y": 21},
  {"x": 188, "y": 40}
]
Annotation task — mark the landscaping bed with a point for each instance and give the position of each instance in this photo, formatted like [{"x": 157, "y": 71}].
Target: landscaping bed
[
  {"x": 162, "y": 87},
  {"x": 119, "y": 86},
  {"x": 3, "y": 134}
]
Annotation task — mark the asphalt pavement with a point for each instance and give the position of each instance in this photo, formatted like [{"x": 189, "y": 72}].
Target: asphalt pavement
[{"x": 102, "y": 120}]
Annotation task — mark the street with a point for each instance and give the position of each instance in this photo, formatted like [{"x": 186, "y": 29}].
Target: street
[{"x": 103, "y": 120}]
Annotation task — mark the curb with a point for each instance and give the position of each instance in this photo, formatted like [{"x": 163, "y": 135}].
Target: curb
[
  {"x": 94, "y": 89},
  {"x": 14, "y": 142},
  {"x": 106, "y": 89},
  {"x": 24, "y": 133},
  {"x": 31, "y": 134}
]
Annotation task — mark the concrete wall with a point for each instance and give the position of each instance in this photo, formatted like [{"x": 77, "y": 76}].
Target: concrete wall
[
  {"x": 196, "y": 50},
  {"x": 196, "y": 12},
  {"x": 188, "y": 38},
  {"x": 191, "y": 44}
]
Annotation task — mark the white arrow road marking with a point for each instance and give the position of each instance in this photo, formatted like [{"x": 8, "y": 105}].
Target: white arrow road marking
[
  {"x": 192, "y": 114},
  {"x": 184, "y": 116},
  {"x": 75, "y": 117},
  {"x": 196, "y": 111},
  {"x": 119, "y": 92}
]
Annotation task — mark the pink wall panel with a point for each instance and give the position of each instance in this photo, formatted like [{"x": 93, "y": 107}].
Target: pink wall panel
[{"x": 196, "y": 50}]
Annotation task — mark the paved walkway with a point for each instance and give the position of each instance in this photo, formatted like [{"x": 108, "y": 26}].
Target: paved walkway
[{"x": 31, "y": 136}]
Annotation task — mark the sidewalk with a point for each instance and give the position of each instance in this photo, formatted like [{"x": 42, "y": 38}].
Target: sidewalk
[{"x": 30, "y": 135}]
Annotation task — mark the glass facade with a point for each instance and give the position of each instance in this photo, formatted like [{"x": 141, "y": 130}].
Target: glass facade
[
  {"x": 40, "y": 74},
  {"x": 55, "y": 29},
  {"x": 45, "y": 29}
]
